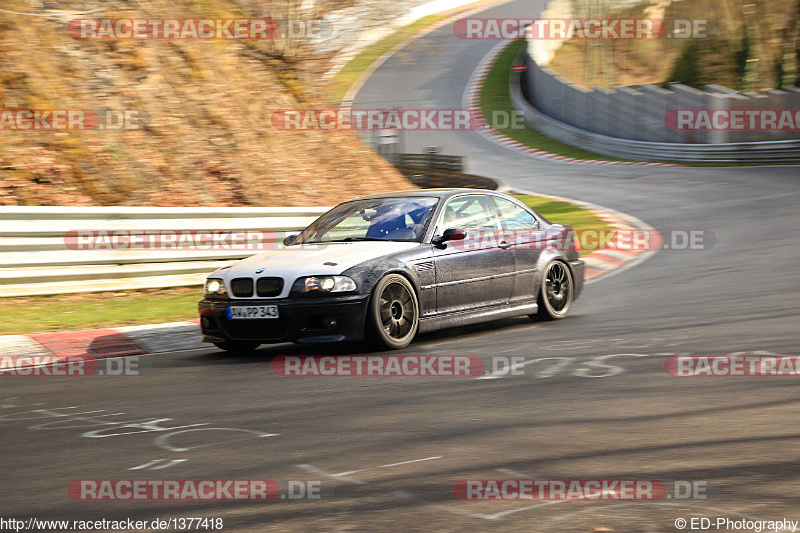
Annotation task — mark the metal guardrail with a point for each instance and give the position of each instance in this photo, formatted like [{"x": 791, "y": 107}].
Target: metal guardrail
[
  {"x": 746, "y": 152},
  {"x": 429, "y": 179},
  {"x": 433, "y": 161},
  {"x": 35, "y": 257}
]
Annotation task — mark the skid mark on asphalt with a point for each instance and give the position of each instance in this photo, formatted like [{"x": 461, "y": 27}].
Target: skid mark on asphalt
[{"x": 62, "y": 418}]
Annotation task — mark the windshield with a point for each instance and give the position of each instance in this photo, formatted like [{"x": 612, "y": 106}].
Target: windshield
[{"x": 377, "y": 219}]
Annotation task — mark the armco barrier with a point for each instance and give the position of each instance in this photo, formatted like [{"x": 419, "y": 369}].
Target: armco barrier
[
  {"x": 429, "y": 179},
  {"x": 35, "y": 258}
]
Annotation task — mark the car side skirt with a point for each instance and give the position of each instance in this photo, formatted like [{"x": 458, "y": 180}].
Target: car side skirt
[{"x": 474, "y": 316}]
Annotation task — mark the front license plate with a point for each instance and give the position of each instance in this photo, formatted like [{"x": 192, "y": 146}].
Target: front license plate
[{"x": 253, "y": 312}]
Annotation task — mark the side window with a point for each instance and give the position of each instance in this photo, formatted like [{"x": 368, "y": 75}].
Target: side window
[
  {"x": 513, "y": 217},
  {"x": 471, "y": 212}
]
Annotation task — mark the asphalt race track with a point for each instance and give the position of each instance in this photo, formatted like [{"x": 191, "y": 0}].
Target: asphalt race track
[{"x": 594, "y": 402}]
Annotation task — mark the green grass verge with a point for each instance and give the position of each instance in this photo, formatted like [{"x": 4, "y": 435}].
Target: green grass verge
[
  {"x": 68, "y": 312},
  {"x": 495, "y": 97}
]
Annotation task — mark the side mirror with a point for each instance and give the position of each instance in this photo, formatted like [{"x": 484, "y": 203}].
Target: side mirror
[
  {"x": 451, "y": 234},
  {"x": 288, "y": 240}
]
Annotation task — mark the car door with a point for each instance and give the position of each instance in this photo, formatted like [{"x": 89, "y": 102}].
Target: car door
[
  {"x": 477, "y": 272},
  {"x": 522, "y": 229}
]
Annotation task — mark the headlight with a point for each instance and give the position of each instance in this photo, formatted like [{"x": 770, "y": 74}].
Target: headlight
[
  {"x": 215, "y": 288},
  {"x": 323, "y": 285}
]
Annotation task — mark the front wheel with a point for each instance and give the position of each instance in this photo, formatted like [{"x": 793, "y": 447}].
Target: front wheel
[
  {"x": 237, "y": 347},
  {"x": 555, "y": 295},
  {"x": 393, "y": 313}
]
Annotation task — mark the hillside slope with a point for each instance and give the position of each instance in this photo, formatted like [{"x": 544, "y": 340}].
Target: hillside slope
[{"x": 210, "y": 140}]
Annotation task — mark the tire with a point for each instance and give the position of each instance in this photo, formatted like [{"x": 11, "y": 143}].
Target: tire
[
  {"x": 237, "y": 347},
  {"x": 556, "y": 291},
  {"x": 393, "y": 314}
]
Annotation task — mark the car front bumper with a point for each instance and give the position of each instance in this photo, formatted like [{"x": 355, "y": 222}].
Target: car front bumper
[{"x": 299, "y": 320}]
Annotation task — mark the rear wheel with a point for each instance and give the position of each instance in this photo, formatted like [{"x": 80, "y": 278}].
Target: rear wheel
[
  {"x": 237, "y": 347},
  {"x": 555, "y": 295},
  {"x": 393, "y": 313}
]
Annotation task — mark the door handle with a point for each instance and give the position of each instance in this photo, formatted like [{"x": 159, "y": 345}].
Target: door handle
[{"x": 505, "y": 245}]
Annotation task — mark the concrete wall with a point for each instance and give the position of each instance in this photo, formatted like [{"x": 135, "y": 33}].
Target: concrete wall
[
  {"x": 671, "y": 149},
  {"x": 637, "y": 113}
]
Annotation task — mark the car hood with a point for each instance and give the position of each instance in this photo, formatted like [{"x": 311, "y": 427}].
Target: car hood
[{"x": 293, "y": 262}]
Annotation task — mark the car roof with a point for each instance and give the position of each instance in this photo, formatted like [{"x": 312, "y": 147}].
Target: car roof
[{"x": 435, "y": 193}]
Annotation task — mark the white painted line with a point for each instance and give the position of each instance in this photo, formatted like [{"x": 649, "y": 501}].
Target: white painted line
[
  {"x": 514, "y": 473},
  {"x": 385, "y": 466},
  {"x": 146, "y": 465},
  {"x": 498, "y": 516},
  {"x": 171, "y": 463},
  {"x": 505, "y": 372},
  {"x": 458, "y": 511},
  {"x": 8, "y": 403},
  {"x": 313, "y": 469}
]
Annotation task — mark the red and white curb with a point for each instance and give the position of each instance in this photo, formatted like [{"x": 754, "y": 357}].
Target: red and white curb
[
  {"x": 605, "y": 262},
  {"x": 472, "y": 102},
  {"x": 35, "y": 350},
  {"x": 602, "y": 262}
]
